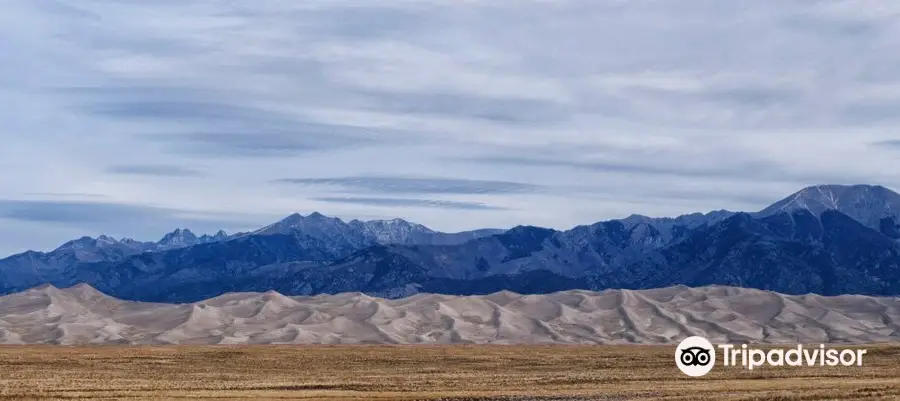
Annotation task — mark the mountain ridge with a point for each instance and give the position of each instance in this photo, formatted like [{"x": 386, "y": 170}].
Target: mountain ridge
[
  {"x": 790, "y": 247},
  {"x": 868, "y": 204}
]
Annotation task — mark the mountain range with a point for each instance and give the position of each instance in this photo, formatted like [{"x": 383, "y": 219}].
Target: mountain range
[{"x": 825, "y": 239}]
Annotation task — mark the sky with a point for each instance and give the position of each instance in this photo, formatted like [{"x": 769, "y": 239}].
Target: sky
[{"x": 134, "y": 117}]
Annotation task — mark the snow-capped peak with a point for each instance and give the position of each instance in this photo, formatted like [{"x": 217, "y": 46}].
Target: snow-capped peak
[
  {"x": 106, "y": 240},
  {"x": 396, "y": 224},
  {"x": 221, "y": 235},
  {"x": 391, "y": 231},
  {"x": 291, "y": 218},
  {"x": 179, "y": 237},
  {"x": 78, "y": 244},
  {"x": 296, "y": 222},
  {"x": 867, "y": 204},
  {"x": 86, "y": 242}
]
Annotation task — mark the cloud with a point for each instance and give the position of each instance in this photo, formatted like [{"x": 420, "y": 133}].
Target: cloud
[
  {"x": 78, "y": 218},
  {"x": 552, "y": 113},
  {"x": 872, "y": 112},
  {"x": 239, "y": 130},
  {"x": 833, "y": 26},
  {"x": 218, "y": 113},
  {"x": 77, "y": 213},
  {"x": 411, "y": 185},
  {"x": 742, "y": 169},
  {"x": 503, "y": 110},
  {"x": 255, "y": 144},
  {"x": 68, "y": 212},
  {"x": 64, "y": 195},
  {"x": 161, "y": 170},
  {"x": 891, "y": 143},
  {"x": 405, "y": 202}
]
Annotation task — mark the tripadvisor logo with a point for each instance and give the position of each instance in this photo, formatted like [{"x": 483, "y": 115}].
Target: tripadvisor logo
[{"x": 696, "y": 356}]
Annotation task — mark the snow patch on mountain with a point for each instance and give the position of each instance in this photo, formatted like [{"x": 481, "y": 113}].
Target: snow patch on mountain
[{"x": 868, "y": 204}]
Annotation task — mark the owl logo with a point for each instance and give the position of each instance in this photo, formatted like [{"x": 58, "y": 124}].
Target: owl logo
[{"x": 695, "y": 356}]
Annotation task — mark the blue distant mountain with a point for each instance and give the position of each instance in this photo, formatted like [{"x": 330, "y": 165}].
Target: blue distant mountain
[{"x": 827, "y": 239}]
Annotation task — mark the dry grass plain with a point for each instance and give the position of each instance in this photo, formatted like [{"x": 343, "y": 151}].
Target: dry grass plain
[{"x": 512, "y": 373}]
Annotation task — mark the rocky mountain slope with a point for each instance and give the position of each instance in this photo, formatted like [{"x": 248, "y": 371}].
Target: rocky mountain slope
[
  {"x": 872, "y": 205},
  {"x": 395, "y": 231},
  {"x": 82, "y": 315},
  {"x": 115, "y": 265}
]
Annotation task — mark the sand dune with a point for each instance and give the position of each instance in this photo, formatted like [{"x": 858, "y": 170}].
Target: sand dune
[{"x": 83, "y": 315}]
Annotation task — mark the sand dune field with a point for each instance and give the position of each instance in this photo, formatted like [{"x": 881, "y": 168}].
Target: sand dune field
[{"x": 82, "y": 315}]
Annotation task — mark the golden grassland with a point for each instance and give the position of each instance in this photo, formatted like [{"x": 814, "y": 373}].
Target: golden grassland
[{"x": 460, "y": 372}]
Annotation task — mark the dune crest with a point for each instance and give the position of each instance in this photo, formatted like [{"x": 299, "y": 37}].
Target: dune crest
[{"x": 83, "y": 315}]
